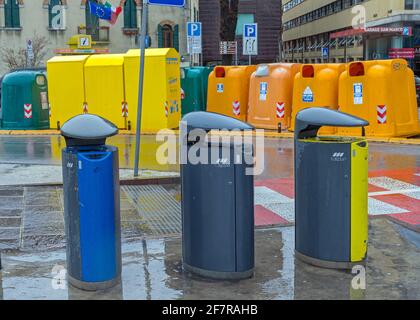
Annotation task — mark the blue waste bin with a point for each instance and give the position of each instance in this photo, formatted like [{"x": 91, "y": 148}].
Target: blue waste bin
[{"x": 91, "y": 203}]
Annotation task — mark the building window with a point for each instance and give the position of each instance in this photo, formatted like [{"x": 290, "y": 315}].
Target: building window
[
  {"x": 130, "y": 15},
  {"x": 11, "y": 14},
  {"x": 92, "y": 23},
  {"x": 168, "y": 36}
]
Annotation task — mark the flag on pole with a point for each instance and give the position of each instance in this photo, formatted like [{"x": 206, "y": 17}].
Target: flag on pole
[
  {"x": 105, "y": 11},
  {"x": 115, "y": 14},
  {"x": 100, "y": 11}
]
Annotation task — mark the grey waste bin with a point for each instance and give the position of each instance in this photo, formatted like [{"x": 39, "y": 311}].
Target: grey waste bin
[
  {"x": 91, "y": 203},
  {"x": 217, "y": 204},
  {"x": 331, "y": 191}
]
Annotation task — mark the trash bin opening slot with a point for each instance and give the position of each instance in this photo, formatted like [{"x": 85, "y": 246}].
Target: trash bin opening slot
[
  {"x": 308, "y": 72},
  {"x": 95, "y": 156},
  {"x": 220, "y": 72},
  {"x": 357, "y": 69}
]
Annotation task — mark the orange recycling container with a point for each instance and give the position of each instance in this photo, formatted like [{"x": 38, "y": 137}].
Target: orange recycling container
[
  {"x": 316, "y": 85},
  {"x": 228, "y": 91},
  {"x": 271, "y": 95},
  {"x": 382, "y": 92}
]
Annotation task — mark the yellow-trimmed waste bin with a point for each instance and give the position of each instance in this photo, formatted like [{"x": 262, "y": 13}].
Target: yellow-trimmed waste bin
[
  {"x": 384, "y": 93},
  {"x": 331, "y": 191},
  {"x": 66, "y": 88},
  {"x": 271, "y": 95},
  {"x": 228, "y": 91},
  {"x": 162, "y": 89},
  {"x": 316, "y": 85},
  {"x": 104, "y": 88}
]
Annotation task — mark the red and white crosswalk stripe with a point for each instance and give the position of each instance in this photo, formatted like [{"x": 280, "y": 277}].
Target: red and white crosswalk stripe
[
  {"x": 27, "y": 111},
  {"x": 124, "y": 109},
  {"x": 382, "y": 114},
  {"x": 236, "y": 108},
  {"x": 85, "y": 108},
  {"x": 166, "y": 109},
  {"x": 280, "y": 111}
]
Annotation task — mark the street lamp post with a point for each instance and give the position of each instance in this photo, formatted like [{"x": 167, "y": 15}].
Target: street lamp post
[{"x": 141, "y": 81}]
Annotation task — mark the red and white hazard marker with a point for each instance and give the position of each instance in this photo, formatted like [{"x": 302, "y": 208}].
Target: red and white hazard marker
[
  {"x": 124, "y": 109},
  {"x": 85, "y": 108},
  {"x": 27, "y": 111},
  {"x": 182, "y": 94},
  {"x": 166, "y": 109},
  {"x": 280, "y": 111},
  {"x": 382, "y": 117},
  {"x": 236, "y": 108}
]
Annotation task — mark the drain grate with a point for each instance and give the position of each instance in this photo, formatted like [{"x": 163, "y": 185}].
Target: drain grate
[{"x": 160, "y": 210}]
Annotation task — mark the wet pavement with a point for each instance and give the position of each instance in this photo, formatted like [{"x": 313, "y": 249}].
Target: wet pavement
[
  {"x": 152, "y": 270},
  {"x": 37, "y": 159},
  {"x": 32, "y": 238}
]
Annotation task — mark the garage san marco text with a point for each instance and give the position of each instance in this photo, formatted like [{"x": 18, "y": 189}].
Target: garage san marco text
[{"x": 210, "y": 310}]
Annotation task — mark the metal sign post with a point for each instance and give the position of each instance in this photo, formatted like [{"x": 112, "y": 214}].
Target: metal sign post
[
  {"x": 141, "y": 79},
  {"x": 194, "y": 38},
  {"x": 250, "y": 40},
  {"x": 173, "y": 3}
]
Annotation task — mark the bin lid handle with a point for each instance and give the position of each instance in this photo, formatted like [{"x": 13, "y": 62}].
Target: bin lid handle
[
  {"x": 310, "y": 120},
  {"x": 208, "y": 121}
]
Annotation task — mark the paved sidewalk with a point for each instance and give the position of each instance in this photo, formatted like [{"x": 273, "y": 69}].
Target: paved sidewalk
[{"x": 152, "y": 270}]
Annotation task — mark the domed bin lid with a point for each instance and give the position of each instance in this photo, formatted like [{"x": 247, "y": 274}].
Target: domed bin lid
[
  {"x": 213, "y": 121},
  {"x": 310, "y": 120},
  {"x": 87, "y": 130}
]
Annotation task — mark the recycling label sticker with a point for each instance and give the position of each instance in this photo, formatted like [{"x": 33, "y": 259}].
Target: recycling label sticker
[
  {"x": 358, "y": 93},
  {"x": 308, "y": 95},
  {"x": 263, "y": 91},
  {"x": 220, "y": 87}
]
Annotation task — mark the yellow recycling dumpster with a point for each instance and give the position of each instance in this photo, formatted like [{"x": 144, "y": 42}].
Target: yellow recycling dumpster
[
  {"x": 66, "y": 88},
  {"x": 228, "y": 91},
  {"x": 383, "y": 92},
  {"x": 104, "y": 88},
  {"x": 316, "y": 85},
  {"x": 271, "y": 95},
  {"x": 162, "y": 89}
]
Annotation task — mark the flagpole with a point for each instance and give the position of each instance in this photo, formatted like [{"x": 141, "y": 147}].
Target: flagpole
[{"x": 141, "y": 81}]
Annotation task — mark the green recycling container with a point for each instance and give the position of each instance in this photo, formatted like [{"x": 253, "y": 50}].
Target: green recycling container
[
  {"x": 24, "y": 101},
  {"x": 194, "y": 88}
]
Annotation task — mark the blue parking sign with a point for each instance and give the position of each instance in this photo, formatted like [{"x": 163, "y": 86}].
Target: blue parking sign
[
  {"x": 172, "y": 3},
  {"x": 250, "y": 30},
  {"x": 194, "y": 29}
]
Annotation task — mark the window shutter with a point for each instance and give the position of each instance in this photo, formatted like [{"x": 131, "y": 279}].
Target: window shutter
[
  {"x": 133, "y": 14},
  {"x": 92, "y": 23},
  {"x": 130, "y": 14},
  {"x": 15, "y": 14},
  {"x": 127, "y": 14},
  {"x": 8, "y": 14},
  {"x": 176, "y": 37},
  {"x": 160, "y": 36}
]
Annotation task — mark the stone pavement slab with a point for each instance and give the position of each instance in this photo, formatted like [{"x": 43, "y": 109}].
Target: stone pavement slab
[{"x": 152, "y": 269}]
